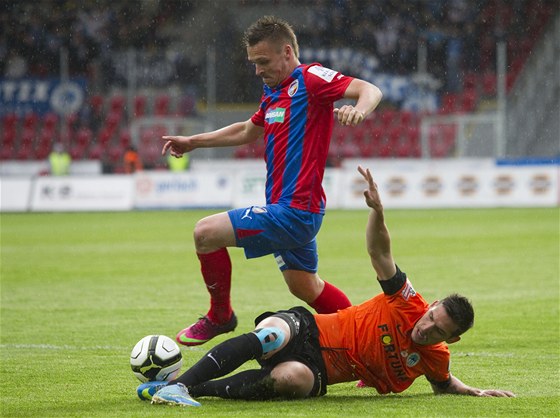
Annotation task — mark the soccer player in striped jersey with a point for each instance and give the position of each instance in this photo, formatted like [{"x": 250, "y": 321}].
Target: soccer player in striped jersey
[{"x": 295, "y": 120}]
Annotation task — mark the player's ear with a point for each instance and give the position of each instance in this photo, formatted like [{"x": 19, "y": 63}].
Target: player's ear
[{"x": 452, "y": 340}]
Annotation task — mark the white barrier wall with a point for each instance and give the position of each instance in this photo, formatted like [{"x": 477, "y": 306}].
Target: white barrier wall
[
  {"x": 166, "y": 190},
  {"x": 402, "y": 183},
  {"x": 97, "y": 193}
]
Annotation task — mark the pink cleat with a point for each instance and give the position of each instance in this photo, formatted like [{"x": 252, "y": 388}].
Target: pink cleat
[{"x": 204, "y": 330}]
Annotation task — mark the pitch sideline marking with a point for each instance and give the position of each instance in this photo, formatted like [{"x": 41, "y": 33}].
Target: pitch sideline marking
[{"x": 76, "y": 348}]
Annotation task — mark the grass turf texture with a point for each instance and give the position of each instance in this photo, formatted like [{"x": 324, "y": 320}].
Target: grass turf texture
[{"x": 79, "y": 290}]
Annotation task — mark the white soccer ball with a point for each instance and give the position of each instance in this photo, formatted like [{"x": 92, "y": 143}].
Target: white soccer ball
[{"x": 156, "y": 357}]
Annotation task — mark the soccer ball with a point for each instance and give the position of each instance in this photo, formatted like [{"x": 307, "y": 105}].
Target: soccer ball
[{"x": 156, "y": 357}]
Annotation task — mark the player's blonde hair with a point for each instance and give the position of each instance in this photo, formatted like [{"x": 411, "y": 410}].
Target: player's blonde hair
[{"x": 271, "y": 28}]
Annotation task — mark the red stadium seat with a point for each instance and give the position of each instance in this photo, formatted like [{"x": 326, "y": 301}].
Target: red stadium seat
[
  {"x": 9, "y": 121},
  {"x": 124, "y": 138},
  {"x": 140, "y": 106},
  {"x": 161, "y": 107},
  {"x": 84, "y": 137},
  {"x": 78, "y": 152},
  {"x": 96, "y": 152},
  {"x": 30, "y": 120},
  {"x": 117, "y": 103},
  {"x": 49, "y": 121},
  {"x": 388, "y": 117},
  {"x": 96, "y": 103},
  {"x": 468, "y": 101},
  {"x": 448, "y": 103},
  {"x": 489, "y": 84}
]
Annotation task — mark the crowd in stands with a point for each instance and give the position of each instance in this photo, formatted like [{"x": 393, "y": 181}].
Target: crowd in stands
[{"x": 459, "y": 35}]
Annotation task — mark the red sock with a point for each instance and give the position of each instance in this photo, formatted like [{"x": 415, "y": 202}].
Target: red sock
[
  {"x": 330, "y": 300},
  {"x": 216, "y": 272}
]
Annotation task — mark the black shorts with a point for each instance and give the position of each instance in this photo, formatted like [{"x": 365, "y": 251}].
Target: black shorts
[{"x": 304, "y": 347}]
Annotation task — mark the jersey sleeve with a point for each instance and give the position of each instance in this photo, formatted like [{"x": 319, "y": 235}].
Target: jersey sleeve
[{"x": 326, "y": 85}]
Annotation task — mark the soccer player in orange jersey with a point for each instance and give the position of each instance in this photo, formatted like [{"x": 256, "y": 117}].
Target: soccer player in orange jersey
[{"x": 386, "y": 342}]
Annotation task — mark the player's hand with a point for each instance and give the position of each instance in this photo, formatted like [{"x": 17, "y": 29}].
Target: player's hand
[
  {"x": 349, "y": 115},
  {"x": 371, "y": 193},
  {"x": 177, "y": 145},
  {"x": 495, "y": 393}
]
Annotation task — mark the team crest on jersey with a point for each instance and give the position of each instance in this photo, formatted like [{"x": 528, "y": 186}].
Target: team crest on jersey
[
  {"x": 275, "y": 115},
  {"x": 408, "y": 291},
  {"x": 412, "y": 359},
  {"x": 293, "y": 88}
]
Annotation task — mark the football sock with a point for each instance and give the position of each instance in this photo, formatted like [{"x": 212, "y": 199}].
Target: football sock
[
  {"x": 216, "y": 272},
  {"x": 330, "y": 300},
  {"x": 249, "y": 385},
  {"x": 222, "y": 359}
]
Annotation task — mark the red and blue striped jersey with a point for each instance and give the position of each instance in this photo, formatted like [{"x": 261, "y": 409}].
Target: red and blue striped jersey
[{"x": 297, "y": 117}]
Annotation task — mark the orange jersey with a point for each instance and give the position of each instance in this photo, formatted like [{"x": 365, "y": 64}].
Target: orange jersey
[{"x": 372, "y": 342}]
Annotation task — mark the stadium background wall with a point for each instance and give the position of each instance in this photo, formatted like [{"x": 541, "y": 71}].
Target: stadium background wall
[{"x": 464, "y": 183}]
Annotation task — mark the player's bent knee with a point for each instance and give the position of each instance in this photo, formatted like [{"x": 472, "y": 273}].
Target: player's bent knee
[
  {"x": 293, "y": 379},
  {"x": 271, "y": 338}
]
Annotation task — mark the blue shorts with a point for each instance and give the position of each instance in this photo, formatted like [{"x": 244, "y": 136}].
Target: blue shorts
[{"x": 286, "y": 232}]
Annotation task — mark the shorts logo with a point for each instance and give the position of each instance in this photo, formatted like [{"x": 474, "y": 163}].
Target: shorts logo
[
  {"x": 275, "y": 115},
  {"x": 280, "y": 261},
  {"x": 293, "y": 88}
]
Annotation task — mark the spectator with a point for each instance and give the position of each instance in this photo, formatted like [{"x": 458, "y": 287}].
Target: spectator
[
  {"x": 59, "y": 161},
  {"x": 132, "y": 162},
  {"x": 178, "y": 164}
]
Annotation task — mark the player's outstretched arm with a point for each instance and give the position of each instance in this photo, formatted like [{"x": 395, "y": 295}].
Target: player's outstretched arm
[
  {"x": 456, "y": 387},
  {"x": 377, "y": 235},
  {"x": 238, "y": 133}
]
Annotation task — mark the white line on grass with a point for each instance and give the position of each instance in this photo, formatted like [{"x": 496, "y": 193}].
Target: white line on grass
[{"x": 76, "y": 348}]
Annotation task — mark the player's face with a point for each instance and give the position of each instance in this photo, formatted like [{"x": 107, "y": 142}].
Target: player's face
[
  {"x": 435, "y": 326},
  {"x": 272, "y": 63}
]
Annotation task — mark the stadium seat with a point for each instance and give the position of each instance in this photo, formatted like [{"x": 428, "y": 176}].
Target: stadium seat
[
  {"x": 25, "y": 151},
  {"x": 113, "y": 120},
  {"x": 468, "y": 101},
  {"x": 115, "y": 154},
  {"x": 96, "y": 104},
  {"x": 78, "y": 152},
  {"x": 489, "y": 84},
  {"x": 6, "y": 152},
  {"x": 125, "y": 139},
  {"x": 388, "y": 117},
  {"x": 406, "y": 117},
  {"x": 104, "y": 137},
  {"x": 8, "y": 136},
  {"x": 30, "y": 120},
  {"x": 9, "y": 121},
  {"x": 96, "y": 152},
  {"x": 44, "y": 146},
  {"x": 84, "y": 137},
  {"x": 117, "y": 103},
  {"x": 49, "y": 121},
  {"x": 140, "y": 106},
  {"x": 161, "y": 106},
  {"x": 448, "y": 103}
]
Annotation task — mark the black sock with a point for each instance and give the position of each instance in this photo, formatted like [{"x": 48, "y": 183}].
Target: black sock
[
  {"x": 222, "y": 359},
  {"x": 249, "y": 385}
]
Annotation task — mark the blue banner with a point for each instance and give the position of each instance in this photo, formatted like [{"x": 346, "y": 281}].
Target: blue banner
[{"x": 25, "y": 95}]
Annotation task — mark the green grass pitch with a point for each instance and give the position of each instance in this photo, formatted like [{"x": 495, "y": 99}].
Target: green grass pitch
[{"x": 79, "y": 290}]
